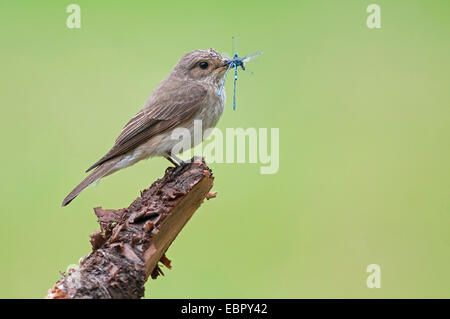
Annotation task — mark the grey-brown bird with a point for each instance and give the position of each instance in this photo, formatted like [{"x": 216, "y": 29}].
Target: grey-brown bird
[{"x": 190, "y": 92}]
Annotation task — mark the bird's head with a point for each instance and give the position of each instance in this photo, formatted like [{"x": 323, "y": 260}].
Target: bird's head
[{"x": 201, "y": 65}]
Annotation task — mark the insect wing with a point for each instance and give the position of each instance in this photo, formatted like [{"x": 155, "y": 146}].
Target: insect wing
[
  {"x": 251, "y": 57},
  {"x": 226, "y": 55},
  {"x": 234, "y": 44}
]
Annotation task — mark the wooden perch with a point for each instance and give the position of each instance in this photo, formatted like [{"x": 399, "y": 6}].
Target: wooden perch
[{"x": 126, "y": 251}]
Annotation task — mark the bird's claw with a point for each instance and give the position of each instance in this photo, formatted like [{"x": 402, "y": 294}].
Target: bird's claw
[{"x": 179, "y": 168}]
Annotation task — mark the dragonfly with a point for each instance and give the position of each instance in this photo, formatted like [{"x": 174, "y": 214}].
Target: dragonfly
[{"x": 236, "y": 62}]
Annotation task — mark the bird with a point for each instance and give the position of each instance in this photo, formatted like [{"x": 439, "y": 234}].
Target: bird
[{"x": 191, "y": 92}]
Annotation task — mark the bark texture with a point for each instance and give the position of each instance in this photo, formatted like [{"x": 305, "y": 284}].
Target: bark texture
[{"x": 131, "y": 241}]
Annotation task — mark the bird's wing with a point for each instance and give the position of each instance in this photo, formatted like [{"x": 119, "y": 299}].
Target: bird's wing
[{"x": 167, "y": 107}]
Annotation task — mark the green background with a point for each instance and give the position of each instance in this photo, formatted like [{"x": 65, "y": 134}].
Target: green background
[{"x": 364, "y": 125}]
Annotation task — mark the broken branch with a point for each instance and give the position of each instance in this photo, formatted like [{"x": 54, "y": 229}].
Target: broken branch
[{"x": 131, "y": 241}]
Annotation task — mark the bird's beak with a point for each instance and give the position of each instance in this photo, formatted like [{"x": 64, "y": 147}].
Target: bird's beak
[{"x": 225, "y": 64}]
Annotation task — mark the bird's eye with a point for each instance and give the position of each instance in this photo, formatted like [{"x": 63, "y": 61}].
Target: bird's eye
[{"x": 203, "y": 65}]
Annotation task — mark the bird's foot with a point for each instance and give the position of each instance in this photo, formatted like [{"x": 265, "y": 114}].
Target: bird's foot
[{"x": 179, "y": 168}]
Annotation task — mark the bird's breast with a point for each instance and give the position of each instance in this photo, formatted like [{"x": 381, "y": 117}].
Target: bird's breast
[{"x": 212, "y": 109}]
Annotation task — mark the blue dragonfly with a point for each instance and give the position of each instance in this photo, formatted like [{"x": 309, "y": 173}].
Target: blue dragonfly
[{"x": 236, "y": 62}]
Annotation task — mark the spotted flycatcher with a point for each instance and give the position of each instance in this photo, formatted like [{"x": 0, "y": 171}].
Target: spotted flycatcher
[{"x": 189, "y": 93}]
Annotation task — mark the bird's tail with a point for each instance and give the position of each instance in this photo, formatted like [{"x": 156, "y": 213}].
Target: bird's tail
[{"x": 101, "y": 171}]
